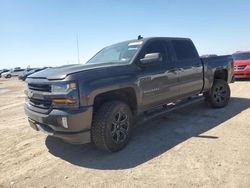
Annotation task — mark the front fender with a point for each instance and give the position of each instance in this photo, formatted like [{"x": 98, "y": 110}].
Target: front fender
[{"x": 89, "y": 91}]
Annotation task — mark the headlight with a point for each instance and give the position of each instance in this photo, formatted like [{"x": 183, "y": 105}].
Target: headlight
[
  {"x": 62, "y": 87},
  {"x": 65, "y": 95},
  {"x": 248, "y": 67}
]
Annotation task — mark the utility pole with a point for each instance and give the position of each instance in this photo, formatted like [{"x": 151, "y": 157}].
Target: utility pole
[{"x": 77, "y": 46}]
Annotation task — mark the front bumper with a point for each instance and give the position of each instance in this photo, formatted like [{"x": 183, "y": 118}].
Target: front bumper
[
  {"x": 78, "y": 122},
  {"x": 242, "y": 73}
]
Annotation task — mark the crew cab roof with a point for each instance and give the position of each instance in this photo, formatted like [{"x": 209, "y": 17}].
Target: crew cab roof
[{"x": 159, "y": 38}]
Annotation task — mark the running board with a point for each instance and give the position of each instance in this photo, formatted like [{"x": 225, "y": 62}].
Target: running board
[{"x": 170, "y": 107}]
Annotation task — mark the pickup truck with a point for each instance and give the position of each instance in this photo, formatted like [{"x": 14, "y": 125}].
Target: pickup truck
[{"x": 99, "y": 101}]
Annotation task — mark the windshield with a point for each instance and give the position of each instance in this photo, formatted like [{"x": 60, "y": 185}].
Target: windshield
[
  {"x": 119, "y": 53},
  {"x": 241, "y": 56}
]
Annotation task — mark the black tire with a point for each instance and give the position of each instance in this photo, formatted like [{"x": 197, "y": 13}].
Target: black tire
[
  {"x": 219, "y": 94},
  {"x": 8, "y": 76},
  {"x": 112, "y": 126}
]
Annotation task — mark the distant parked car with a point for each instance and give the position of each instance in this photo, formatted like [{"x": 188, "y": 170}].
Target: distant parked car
[
  {"x": 6, "y": 74},
  {"x": 29, "y": 72},
  {"x": 242, "y": 64},
  {"x": 15, "y": 72},
  {"x": 25, "y": 72},
  {"x": 3, "y": 71}
]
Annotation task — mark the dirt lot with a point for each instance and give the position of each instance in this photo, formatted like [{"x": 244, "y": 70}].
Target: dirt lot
[{"x": 196, "y": 146}]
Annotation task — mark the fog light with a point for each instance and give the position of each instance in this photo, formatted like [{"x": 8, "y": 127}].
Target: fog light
[{"x": 65, "y": 122}]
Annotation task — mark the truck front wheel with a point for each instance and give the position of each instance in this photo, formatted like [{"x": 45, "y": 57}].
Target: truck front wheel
[
  {"x": 112, "y": 126},
  {"x": 219, "y": 94}
]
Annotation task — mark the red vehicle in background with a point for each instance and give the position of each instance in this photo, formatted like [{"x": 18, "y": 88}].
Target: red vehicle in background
[{"x": 242, "y": 64}]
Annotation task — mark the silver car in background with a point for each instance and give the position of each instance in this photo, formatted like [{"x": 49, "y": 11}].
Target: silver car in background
[{"x": 15, "y": 72}]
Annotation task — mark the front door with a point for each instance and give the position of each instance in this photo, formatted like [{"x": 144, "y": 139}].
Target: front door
[{"x": 158, "y": 82}]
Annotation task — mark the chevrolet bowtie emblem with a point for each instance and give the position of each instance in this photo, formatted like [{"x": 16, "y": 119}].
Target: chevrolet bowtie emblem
[{"x": 30, "y": 94}]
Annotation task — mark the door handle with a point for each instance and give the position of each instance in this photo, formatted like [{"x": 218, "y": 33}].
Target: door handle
[
  {"x": 197, "y": 65},
  {"x": 175, "y": 71}
]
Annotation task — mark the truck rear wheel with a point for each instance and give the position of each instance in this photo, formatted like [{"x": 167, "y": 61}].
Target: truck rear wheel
[
  {"x": 112, "y": 126},
  {"x": 219, "y": 94}
]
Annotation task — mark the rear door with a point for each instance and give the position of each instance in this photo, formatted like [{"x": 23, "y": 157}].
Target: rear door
[{"x": 189, "y": 65}]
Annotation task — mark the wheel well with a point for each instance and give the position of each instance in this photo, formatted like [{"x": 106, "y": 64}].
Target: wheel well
[
  {"x": 221, "y": 74},
  {"x": 126, "y": 95}
]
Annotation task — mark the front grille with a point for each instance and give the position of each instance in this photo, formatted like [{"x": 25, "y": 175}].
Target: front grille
[
  {"x": 36, "y": 103},
  {"x": 40, "y": 103},
  {"x": 240, "y": 67},
  {"x": 40, "y": 87}
]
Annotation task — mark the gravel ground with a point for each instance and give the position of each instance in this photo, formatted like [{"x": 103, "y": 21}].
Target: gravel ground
[{"x": 196, "y": 146}]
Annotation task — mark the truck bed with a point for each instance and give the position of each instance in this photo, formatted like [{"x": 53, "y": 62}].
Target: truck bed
[{"x": 215, "y": 64}]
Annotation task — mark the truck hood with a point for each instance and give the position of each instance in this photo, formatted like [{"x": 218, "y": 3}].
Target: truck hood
[
  {"x": 59, "y": 73},
  {"x": 241, "y": 62}
]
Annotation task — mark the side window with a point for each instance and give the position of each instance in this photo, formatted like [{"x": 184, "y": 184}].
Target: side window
[
  {"x": 156, "y": 47},
  {"x": 184, "y": 49}
]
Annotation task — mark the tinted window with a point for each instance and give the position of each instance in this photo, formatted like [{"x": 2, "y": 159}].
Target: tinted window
[
  {"x": 19, "y": 70},
  {"x": 184, "y": 49},
  {"x": 156, "y": 47}
]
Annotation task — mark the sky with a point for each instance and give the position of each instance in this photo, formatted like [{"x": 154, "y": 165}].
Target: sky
[{"x": 41, "y": 33}]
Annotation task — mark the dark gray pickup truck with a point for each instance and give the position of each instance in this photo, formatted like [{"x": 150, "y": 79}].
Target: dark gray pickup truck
[{"x": 99, "y": 101}]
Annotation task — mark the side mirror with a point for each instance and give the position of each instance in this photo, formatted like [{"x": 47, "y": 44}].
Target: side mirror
[{"x": 151, "y": 58}]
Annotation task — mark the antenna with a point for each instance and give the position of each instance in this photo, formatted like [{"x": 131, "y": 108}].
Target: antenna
[
  {"x": 139, "y": 37},
  {"x": 77, "y": 46}
]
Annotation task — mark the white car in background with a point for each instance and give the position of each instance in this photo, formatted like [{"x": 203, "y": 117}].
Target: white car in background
[{"x": 15, "y": 72}]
